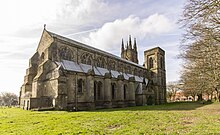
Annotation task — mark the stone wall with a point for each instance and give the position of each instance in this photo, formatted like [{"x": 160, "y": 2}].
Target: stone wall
[
  {"x": 49, "y": 85},
  {"x": 155, "y": 61}
]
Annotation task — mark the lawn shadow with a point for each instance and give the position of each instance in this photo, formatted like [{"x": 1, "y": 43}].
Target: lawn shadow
[
  {"x": 177, "y": 106},
  {"x": 173, "y": 106}
]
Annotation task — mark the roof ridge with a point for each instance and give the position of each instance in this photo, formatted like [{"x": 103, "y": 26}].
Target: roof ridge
[{"x": 92, "y": 48}]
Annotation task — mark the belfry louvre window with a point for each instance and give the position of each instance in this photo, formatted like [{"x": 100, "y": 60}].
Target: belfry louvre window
[
  {"x": 151, "y": 63},
  {"x": 80, "y": 85},
  {"x": 161, "y": 62}
]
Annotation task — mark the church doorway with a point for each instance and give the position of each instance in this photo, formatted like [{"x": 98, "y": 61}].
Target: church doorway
[{"x": 150, "y": 100}]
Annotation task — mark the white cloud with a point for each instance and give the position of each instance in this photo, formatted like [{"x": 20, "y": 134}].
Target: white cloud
[
  {"x": 22, "y": 23},
  {"x": 81, "y": 12},
  {"x": 109, "y": 36},
  {"x": 25, "y": 13}
]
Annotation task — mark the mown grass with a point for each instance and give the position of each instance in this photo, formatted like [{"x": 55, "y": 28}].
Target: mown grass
[{"x": 173, "y": 118}]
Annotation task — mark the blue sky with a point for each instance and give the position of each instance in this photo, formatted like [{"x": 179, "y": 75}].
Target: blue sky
[{"x": 99, "y": 23}]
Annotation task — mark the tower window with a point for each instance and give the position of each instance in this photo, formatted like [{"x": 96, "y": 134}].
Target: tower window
[
  {"x": 151, "y": 63},
  {"x": 161, "y": 62}
]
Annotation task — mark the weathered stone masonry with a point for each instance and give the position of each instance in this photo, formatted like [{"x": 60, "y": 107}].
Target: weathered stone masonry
[{"x": 67, "y": 75}]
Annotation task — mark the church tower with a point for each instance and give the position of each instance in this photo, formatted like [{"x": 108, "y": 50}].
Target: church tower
[
  {"x": 154, "y": 60},
  {"x": 130, "y": 51}
]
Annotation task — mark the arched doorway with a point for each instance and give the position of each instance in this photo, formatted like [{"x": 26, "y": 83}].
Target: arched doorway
[{"x": 150, "y": 100}]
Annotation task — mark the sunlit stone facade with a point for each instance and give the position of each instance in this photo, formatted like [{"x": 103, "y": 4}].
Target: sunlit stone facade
[{"x": 67, "y": 75}]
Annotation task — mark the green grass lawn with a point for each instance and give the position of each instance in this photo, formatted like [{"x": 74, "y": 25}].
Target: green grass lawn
[{"x": 173, "y": 118}]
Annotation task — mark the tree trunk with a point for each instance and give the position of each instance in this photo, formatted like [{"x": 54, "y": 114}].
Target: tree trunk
[
  {"x": 217, "y": 95},
  {"x": 200, "y": 97}
]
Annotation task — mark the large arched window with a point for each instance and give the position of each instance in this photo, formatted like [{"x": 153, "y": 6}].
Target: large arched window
[
  {"x": 86, "y": 58},
  {"x": 111, "y": 64},
  {"x": 125, "y": 91},
  {"x": 99, "y": 90},
  {"x": 100, "y": 62},
  {"x": 89, "y": 60},
  {"x": 83, "y": 59},
  {"x": 113, "y": 86},
  {"x": 80, "y": 85},
  {"x": 151, "y": 63},
  {"x": 129, "y": 69},
  {"x": 65, "y": 53},
  {"x": 120, "y": 66}
]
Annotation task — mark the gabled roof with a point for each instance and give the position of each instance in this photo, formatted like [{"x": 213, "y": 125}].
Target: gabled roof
[{"x": 81, "y": 45}]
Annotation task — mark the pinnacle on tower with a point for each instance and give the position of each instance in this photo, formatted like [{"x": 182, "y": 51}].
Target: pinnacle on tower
[
  {"x": 135, "y": 45},
  {"x": 127, "y": 45},
  {"x": 122, "y": 45},
  {"x": 130, "y": 44}
]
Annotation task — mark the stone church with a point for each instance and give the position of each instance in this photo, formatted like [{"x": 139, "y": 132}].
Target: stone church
[{"x": 65, "y": 74}]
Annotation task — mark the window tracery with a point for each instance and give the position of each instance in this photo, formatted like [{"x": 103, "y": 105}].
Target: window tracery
[
  {"x": 112, "y": 64},
  {"x": 86, "y": 58},
  {"x": 65, "y": 53},
  {"x": 100, "y": 62}
]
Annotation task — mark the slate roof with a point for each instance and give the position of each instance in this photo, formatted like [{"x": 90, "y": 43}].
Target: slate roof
[
  {"x": 92, "y": 48},
  {"x": 84, "y": 68}
]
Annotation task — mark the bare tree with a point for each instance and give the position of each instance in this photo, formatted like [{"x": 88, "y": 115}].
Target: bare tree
[
  {"x": 8, "y": 99},
  {"x": 201, "y": 18},
  {"x": 201, "y": 47},
  {"x": 172, "y": 89}
]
